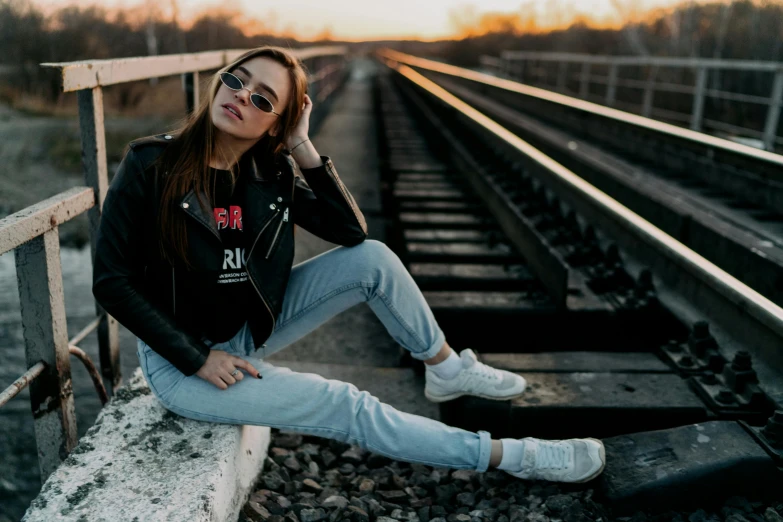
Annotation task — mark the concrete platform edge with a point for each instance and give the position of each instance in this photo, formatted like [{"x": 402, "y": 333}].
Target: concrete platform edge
[{"x": 142, "y": 462}]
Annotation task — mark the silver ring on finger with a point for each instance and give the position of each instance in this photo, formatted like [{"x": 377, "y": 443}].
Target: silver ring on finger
[{"x": 236, "y": 371}]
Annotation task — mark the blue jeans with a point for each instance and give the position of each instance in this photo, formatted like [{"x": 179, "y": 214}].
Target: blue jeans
[{"x": 319, "y": 289}]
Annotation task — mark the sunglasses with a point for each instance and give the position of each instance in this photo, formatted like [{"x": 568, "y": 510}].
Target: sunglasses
[{"x": 258, "y": 100}]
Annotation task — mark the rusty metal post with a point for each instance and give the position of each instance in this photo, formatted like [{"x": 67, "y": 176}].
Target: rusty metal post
[
  {"x": 562, "y": 69},
  {"x": 584, "y": 80},
  {"x": 649, "y": 91},
  {"x": 611, "y": 87},
  {"x": 698, "y": 99},
  {"x": 190, "y": 84},
  {"x": 773, "y": 112},
  {"x": 93, "y": 137},
  {"x": 46, "y": 339}
]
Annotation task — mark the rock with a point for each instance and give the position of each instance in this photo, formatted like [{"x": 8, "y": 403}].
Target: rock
[
  {"x": 256, "y": 511},
  {"x": 374, "y": 507},
  {"x": 335, "y": 501},
  {"x": 358, "y": 514},
  {"x": 456, "y": 517},
  {"x": 740, "y": 503},
  {"x": 394, "y": 495},
  {"x": 275, "y": 508},
  {"x": 424, "y": 513},
  {"x": 337, "y": 514},
  {"x": 328, "y": 492},
  {"x": 291, "y": 517},
  {"x": 398, "y": 481},
  {"x": 279, "y": 454},
  {"x": 444, "y": 493},
  {"x": 311, "y": 485},
  {"x": 361, "y": 504},
  {"x": 537, "y": 517},
  {"x": 517, "y": 513},
  {"x": 438, "y": 512},
  {"x": 419, "y": 502},
  {"x": 466, "y": 499},
  {"x": 325, "y": 457},
  {"x": 557, "y": 504},
  {"x": 292, "y": 464},
  {"x": 284, "y": 502},
  {"x": 366, "y": 485},
  {"x": 770, "y": 515},
  {"x": 463, "y": 475},
  {"x": 390, "y": 506},
  {"x": 736, "y": 517},
  {"x": 312, "y": 515},
  {"x": 287, "y": 440},
  {"x": 697, "y": 516},
  {"x": 273, "y": 481},
  {"x": 385, "y": 519},
  {"x": 347, "y": 468},
  {"x": 354, "y": 455}
]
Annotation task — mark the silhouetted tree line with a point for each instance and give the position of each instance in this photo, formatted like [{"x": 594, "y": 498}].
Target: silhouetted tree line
[
  {"x": 28, "y": 38},
  {"x": 732, "y": 30}
]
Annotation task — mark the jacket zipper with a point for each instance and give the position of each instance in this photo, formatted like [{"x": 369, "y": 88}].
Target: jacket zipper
[
  {"x": 277, "y": 233},
  {"x": 173, "y": 291},
  {"x": 250, "y": 276}
]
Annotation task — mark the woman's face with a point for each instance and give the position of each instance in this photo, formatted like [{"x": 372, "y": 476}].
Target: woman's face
[{"x": 263, "y": 76}]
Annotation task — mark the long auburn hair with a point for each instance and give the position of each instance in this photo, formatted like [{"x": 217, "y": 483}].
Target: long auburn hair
[{"x": 185, "y": 162}]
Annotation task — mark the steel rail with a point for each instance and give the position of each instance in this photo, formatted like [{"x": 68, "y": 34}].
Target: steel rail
[
  {"x": 681, "y": 267},
  {"x": 588, "y": 107}
]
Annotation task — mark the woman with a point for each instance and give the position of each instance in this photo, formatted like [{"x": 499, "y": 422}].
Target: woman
[{"x": 194, "y": 256}]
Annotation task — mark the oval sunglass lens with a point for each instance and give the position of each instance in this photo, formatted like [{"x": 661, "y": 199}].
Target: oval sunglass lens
[
  {"x": 231, "y": 81},
  {"x": 261, "y": 102}
]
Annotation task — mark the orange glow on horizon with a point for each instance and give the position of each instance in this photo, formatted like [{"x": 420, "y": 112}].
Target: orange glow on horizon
[{"x": 348, "y": 20}]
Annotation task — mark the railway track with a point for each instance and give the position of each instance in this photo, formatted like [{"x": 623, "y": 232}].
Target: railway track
[
  {"x": 621, "y": 332},
  {"x": 719, "y": 198}
]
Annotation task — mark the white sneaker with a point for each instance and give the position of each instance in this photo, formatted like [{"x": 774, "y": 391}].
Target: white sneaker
[
  {"x": 569, "y": 460},
  {"x": 475, "y": 378}
]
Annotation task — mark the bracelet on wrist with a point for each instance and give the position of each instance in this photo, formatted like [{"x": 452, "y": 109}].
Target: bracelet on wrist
[{"x": 308, "y": 139}]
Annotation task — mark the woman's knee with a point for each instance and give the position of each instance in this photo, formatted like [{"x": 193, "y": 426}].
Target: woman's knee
[{"x": 376, "y": 255}]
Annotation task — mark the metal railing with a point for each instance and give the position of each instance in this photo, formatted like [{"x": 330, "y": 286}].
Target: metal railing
[
  {"x": 691, "y": 77},
  {"x": 33, "y": 235}
]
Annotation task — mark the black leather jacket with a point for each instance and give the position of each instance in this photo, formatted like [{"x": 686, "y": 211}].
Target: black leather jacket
[{"x": 137, "y": 287}]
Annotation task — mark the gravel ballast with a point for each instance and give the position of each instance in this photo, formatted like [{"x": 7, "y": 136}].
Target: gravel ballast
[{"x": 313, "y": 479}]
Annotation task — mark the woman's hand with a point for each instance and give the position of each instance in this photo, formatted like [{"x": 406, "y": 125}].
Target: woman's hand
[
  {"x": 302, "y": 128},
  {"x": 219, "y": 366}
]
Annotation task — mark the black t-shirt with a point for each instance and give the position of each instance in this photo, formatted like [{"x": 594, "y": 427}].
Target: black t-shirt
[{"x": 227, "y": 295}]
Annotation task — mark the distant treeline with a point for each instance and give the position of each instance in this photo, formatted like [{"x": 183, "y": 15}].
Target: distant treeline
[
  {"x": 731, "y": 30},
  {"x": 28, "y": 38}
]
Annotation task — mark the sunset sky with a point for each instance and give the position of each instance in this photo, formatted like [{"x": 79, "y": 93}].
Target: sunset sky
[{"x": 367, "y": 19}]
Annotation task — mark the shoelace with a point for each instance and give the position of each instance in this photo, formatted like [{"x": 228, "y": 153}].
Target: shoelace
[
  {"x": 553, "y": 455},
  {"x": 487, "y": 371}
]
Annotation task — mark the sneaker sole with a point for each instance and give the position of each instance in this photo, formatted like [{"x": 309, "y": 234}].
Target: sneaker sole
[{"x": 444, "y": 398}]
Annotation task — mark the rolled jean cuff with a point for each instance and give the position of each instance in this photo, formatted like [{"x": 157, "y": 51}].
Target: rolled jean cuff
[
  {"x": 432, "y": 351},
  {"x": 485, "y": 450}
]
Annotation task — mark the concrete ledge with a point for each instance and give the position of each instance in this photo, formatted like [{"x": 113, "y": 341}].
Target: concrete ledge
[{"x": 140, "y": 462}]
